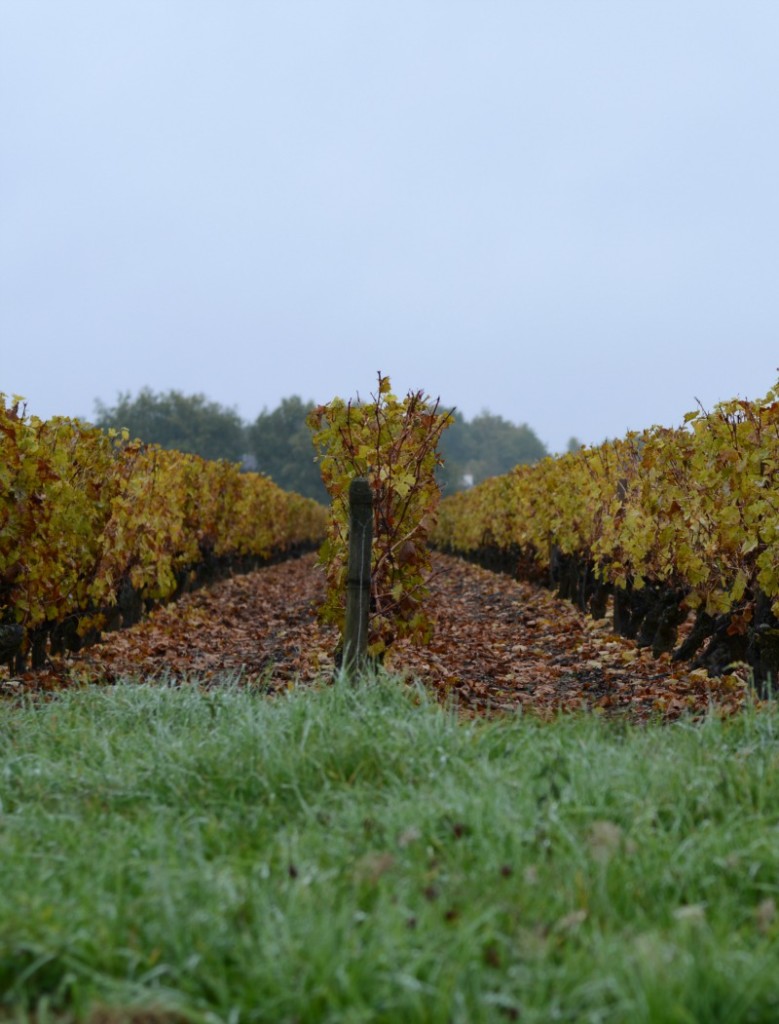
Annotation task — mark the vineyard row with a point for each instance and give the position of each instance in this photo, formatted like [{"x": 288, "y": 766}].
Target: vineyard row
[
  {"x": 95, "y": 527},
  {"x": 667, "y": 522}
]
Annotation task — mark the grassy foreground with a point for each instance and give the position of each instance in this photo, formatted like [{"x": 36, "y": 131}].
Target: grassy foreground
[{"x": 364, "y": 856}]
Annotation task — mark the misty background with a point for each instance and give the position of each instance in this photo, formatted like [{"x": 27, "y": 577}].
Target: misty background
[{"x": 563, "y": 212}]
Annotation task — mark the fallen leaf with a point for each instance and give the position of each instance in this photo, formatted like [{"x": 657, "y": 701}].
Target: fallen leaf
[
  {"x": 694, "y": 913},
  {"x": 604, "y": 839},
  {"x": 370, "y": 867},
  {"x": 499, "y": 645},
  {"x": 409, "y": 836},
  {"x": 765, "y": 915},
  {"x": 571, "y": 921}
]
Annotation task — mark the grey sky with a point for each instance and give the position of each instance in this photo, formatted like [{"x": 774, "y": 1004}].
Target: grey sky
[{"x": 564, "y": 211}]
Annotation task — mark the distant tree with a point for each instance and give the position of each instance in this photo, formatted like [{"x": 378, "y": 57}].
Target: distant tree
[
  {"x": 487, "y": 446},
  {"x": 574, "y": 444},
  {"x": 455, "y": 452},
  {"x": 186, "y": 423},
  {"x": 280, "y": 444}
]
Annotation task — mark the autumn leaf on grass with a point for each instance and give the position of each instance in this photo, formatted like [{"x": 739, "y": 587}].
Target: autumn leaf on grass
[
  {"x": 604, "y": 839},
  {"x": 370, "y": 867},
  {"x": 765, "y": 915},
  {"x": 530, "y": 875},
  {"x": 409, "y": 836},
  {"x": 570, "y": 922},
  {"x": 691, "y": 913}
]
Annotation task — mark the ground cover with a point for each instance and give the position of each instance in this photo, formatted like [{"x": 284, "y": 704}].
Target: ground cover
[
  {"x": 499, "y": 644},
  {"x": 190, "y": 850},
  {"x": 365, "y": 855}
]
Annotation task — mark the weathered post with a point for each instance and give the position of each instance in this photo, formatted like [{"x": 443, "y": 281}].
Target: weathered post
[{"x": 358, "y": 578}]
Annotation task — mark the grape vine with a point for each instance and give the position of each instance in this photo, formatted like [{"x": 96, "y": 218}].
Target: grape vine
[
  {"x": 393, "y": 443},
  {"x": 690, "y": 515},
  {"x": 93, "y": 525}
]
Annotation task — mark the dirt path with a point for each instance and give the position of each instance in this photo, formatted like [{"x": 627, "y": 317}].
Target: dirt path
[{"x": 498, "y": 643}]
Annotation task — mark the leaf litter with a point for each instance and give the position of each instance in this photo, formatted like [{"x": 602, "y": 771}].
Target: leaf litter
[{"x": 499, "y": 645}]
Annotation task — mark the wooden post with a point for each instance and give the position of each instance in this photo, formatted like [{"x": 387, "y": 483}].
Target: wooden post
[{"x": 358, "y": 579}]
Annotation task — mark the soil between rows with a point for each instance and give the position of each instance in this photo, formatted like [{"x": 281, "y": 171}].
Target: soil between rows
[{"x": 499, "y": 644}]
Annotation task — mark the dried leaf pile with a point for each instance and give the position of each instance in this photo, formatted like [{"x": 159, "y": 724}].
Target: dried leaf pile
[{"x": 498, "y": 644}]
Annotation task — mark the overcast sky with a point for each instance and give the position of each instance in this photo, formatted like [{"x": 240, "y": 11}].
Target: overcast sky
[{"x": 563, "y": 211}]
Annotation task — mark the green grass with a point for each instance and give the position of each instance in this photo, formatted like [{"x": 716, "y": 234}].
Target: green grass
[{"x": 359, "y": 856}]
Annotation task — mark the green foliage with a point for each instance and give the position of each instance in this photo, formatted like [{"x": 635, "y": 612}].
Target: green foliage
[
  {"x": 185, "y": 423},
  {"x": 280, "y": 442},
  {"x": 393, "y": 444},
  {"x": 486, "y": 446}
]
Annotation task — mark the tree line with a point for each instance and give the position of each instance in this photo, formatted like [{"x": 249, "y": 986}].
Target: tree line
[{"x": 278, "y": 442}]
